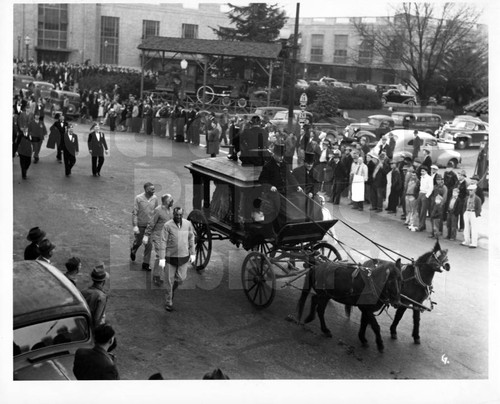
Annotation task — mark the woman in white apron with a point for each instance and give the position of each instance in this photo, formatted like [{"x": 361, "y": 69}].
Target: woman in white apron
[{"x": 360, "y": 176}]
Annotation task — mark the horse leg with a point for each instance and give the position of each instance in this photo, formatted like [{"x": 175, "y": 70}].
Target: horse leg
[
  {"x": 399, "y": 315},
  {"x": 323, "y": 301},
  {"x": 300, "y": 305},
  {"x": 416, "y": 327},
  {"x": 376, "y": 329},
  {"x": 362, "y": 330},
  {"x": 312, "y": 311}
]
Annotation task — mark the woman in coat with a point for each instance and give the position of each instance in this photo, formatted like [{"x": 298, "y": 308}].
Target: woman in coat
[
  {"x": 97, "y": 148},
  {"x": 213, "y": 136}
]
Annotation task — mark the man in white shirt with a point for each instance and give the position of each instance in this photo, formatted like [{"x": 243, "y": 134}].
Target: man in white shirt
[{"x": 426, "y": 188}]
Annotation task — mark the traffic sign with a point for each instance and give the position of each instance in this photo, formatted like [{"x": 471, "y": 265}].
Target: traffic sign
[
  {"x": 302, "y": 117},
  {"x": 303, "y": 99}
]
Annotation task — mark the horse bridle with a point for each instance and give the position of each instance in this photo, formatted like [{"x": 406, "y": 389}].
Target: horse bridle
[{"x": 442, "y": 262}]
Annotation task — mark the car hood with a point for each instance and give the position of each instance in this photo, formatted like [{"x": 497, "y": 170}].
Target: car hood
[
  {"x": 60, "y": 368},
  {"x": 362, "y": 125}
]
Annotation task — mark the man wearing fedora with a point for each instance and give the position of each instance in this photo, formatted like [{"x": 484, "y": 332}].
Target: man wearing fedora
[
  {"x": 307, "y": 178},
  {"x": 97, "y": 363},
  {"x": 35, "y": 235},
  {"x": 471, "y": 210},
  {"x": 95, "y": 295},
  {"x": 45, "y": 248}
]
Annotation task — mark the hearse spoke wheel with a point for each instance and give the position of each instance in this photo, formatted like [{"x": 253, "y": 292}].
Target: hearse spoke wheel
[
  {"x": 258, "y": 279},
  {"x": 202, "y": 239}
]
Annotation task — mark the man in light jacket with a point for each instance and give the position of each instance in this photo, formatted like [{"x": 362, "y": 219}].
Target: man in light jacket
[{"x": 177, "y": 250}]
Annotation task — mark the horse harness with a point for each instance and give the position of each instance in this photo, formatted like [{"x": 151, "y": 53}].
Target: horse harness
[{"x": 418, "y": 278}]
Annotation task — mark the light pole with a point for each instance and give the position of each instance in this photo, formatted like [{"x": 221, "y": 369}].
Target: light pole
[
  {"x": 184, "y": 65},
  {"x": 19, "y": 48},
  {"x": 27, "y": 42}
]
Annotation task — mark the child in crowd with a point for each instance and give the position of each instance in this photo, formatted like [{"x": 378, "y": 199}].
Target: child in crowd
[{"x": 436, "y": 216}]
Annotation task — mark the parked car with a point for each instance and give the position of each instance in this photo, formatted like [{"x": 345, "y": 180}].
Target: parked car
[
  {"x": 328, "y": 80},
  {"x": 317, "y": 83},
  {"x": 422, "y": 121},
  {"x": 45, "y": 88},
  {"x": 280, "y": 120},
  {"x": 21, "y": 83},
  {"x": 56, "y": 100},
  {"x": 442, "y": 153},
  {"x": 371, "y": 87},
  {"x": 379, "y": 125},
  {"x": 51, "y": 321},
  {"x": 267, "y": 113},
  {"x": 399, "y": 97},
  {"x": 464, "y": 131},
  {"x": 340, "y": 84},
  {"x": 301, "y": 84}
]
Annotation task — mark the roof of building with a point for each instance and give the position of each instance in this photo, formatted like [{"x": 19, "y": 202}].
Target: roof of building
[
  {"x": 480, "y": 106},
  {"x": 211, "y": 47}
]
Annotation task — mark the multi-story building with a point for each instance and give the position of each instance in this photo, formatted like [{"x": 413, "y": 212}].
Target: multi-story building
[
  {"x": 106, "y": 33},
  {"x": 333, "y": 47}
]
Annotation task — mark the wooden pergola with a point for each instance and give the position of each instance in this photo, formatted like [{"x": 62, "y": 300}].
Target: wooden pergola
[{"x": 200, "y": 51}]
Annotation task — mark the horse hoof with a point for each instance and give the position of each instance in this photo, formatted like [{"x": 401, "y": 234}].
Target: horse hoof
[
  {"x": 380, "y": 348},
  {"x": 365, "y": 344},
  {"x": 327, "y": 334},
  {"x": 394, "y": 335},
  {"x": 416, "y": 341}
]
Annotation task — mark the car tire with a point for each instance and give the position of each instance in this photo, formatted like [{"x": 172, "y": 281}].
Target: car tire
[
  {"x": 384, "y": 101},
  {"x": 454, "y": 162},
  {"x": 461, "y": 144},
  {"x": 411, "y": 103}
]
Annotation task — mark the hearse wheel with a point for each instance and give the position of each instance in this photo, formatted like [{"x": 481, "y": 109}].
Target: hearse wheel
[
  {"x": 202, "y": 239},
  {"x": 258, "y": 279},
  {"x": 328, "y": 251}
]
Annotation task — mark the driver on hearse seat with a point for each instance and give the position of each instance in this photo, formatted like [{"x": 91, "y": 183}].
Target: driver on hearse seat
[{"x": 279, "y": 185}]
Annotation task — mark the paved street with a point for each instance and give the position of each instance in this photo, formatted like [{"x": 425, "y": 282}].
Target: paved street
[{"x": 214, "y": 325}]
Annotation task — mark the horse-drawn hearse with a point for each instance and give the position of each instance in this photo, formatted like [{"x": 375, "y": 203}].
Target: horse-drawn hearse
[{"x": 224, "y": 192}]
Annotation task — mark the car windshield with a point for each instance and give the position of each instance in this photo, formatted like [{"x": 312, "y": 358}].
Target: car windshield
[
  {"x": 281, "y": 115},
  {"x": 374, "y": 121},
  {"x": 465, "y": 125},
  {"x": 41, "y": 335}
]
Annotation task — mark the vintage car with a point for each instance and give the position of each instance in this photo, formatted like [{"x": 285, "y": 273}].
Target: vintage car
[
  {"x": 465, "y": 131},
  {"x": 442, "y": 152},
  {"x": 56, "y": 101},
  {"x": 280, "y": 119},
  {"x": 267, "y": 113},
  {"x": 421, "y": 121},
  {"x": 398, "y": 97},
  {"x": 51, "y": 321},
  {"x": 379, "y": 125},
  {"x": 21, "y": 83},
  {"x": 44, "y": 87}
]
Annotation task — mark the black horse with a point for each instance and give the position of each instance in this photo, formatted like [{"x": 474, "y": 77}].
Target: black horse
[
  {"x": 367, "y": 288},
  {"x": 417, "y": 286}
]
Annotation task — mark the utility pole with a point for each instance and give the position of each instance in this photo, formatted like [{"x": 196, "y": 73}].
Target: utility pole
[{"x": 293, "y": 72}]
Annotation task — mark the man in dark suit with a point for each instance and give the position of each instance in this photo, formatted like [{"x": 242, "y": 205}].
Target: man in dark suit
[
  {"x": 35, "y": 235},
  {"x": 70, "y": 150},
  {"x": 97, "y": 148},
  {"x": 56, "y": 136},
  {"x": 253, "y": 144},
  {"x": 277, "y": 182},
  {"x": 417, "y": 143},
  {"x": 97, "y": 363},
  {"x": 307, "y": 178}
]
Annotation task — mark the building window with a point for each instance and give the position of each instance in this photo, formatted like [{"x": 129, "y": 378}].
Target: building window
[
  {"x": 109, "y": 40},
  {"x": 150, "y": 28},
  {"x": 190, "y": 31},
  {"x": 366, "y": 52},
  {"x": 340, "y": 49},
  {"x": 317, "y": 48},
  {"x": 53, "y": 26}
]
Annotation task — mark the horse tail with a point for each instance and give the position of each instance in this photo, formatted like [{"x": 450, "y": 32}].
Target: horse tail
[
  {"x": 347, "y": 309},
  {"x": 306, "y": 289}
]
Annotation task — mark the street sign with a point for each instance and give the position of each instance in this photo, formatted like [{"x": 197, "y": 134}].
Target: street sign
[
  {"x": 303, "y": 99},
  {"x": 302, "y": 117}
]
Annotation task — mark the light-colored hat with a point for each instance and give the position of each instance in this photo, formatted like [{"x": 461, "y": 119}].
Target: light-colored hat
[{"x": 472, "y": 187}]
